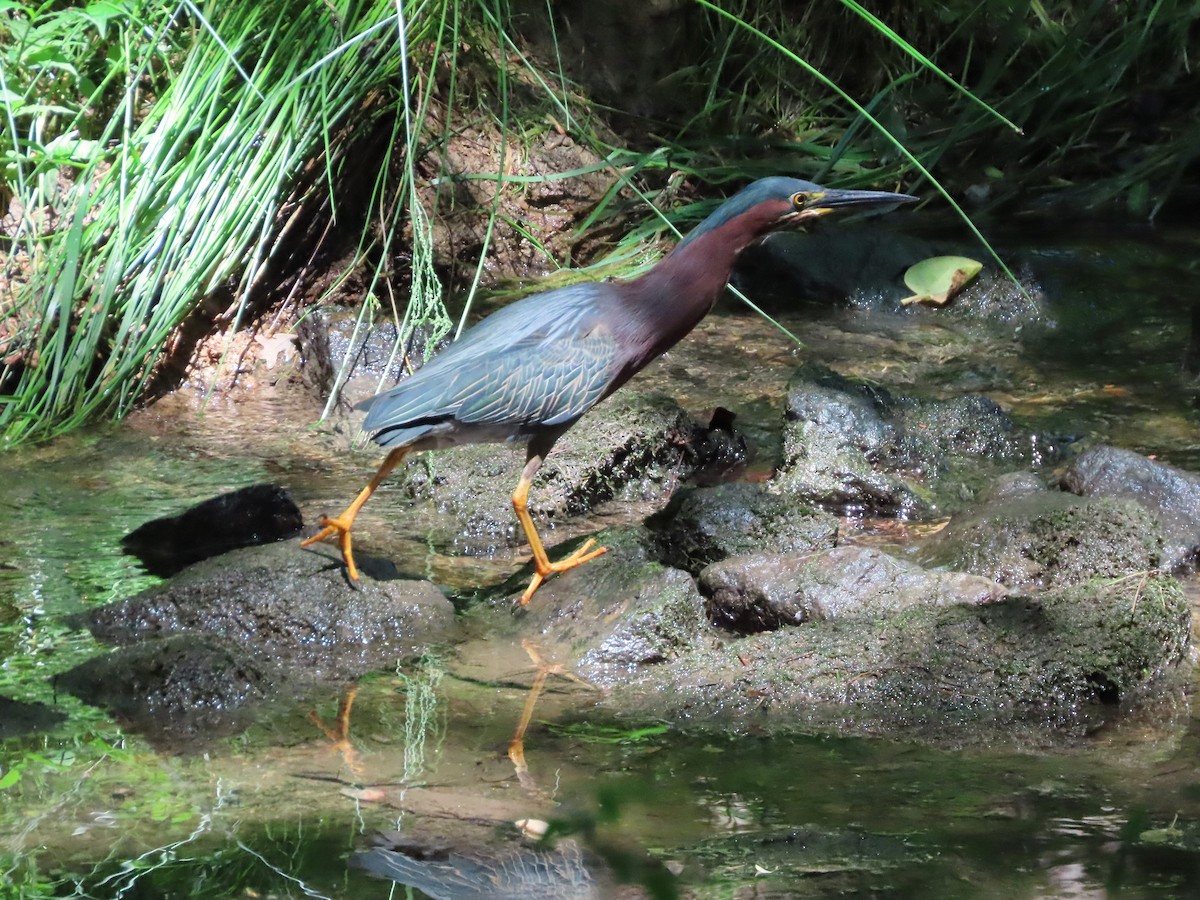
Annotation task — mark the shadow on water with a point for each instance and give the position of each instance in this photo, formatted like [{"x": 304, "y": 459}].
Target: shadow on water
[{"x": 284, "y": 810}]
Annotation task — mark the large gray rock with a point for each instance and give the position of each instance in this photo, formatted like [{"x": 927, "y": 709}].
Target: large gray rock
[
  {"x": 616, "y": 614},
  {"x": 856, "y": 448},
  {"x": 864, "y": 265},
  {"x": 836, "y": 444},
  {"x": 205, "y": 654},
  {"x": 1169, "y": 494},
  {"x": 764, "y": 591},
  {"x": 833, "y": 265},
  {"x": 1042, "y": 538},
  {"x": 293, "y": 606},
  {"x": 1019, "y": 668}
]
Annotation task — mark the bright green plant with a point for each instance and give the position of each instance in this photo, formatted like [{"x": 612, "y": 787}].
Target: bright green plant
[{"x": 192, "y": 198}]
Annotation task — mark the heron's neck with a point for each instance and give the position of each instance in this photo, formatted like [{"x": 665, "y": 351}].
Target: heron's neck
[{"x": 678, "y": 292}]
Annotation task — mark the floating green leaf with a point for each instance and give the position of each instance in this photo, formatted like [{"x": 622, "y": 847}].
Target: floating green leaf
[{"x": 937, "y": 279}]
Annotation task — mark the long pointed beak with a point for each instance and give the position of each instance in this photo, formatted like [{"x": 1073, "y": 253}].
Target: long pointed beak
[{"x": 835, "y": 201}]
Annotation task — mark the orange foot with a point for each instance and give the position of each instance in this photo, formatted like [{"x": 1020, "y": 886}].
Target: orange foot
[
  {"x": 341, "y": 528},
  {"x": 339, "y": 733},
  {"x": 578, "y": 558}
]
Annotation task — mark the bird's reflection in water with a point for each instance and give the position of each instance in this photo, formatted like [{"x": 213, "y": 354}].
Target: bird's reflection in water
[
  {"x": 339, "y": 732},
  {"x": 543, "y": 669},
  {"x": 520, "y": 872}
]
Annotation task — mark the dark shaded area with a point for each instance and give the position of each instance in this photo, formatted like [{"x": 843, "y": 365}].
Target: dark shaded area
[
  {"x": 1124, "y": 141},
  {"x": 180, "y": 692},
  {"x": 258, "y": 514},
  {"x": 18, "y": 717},
  {"x": 366, "y": 359}
]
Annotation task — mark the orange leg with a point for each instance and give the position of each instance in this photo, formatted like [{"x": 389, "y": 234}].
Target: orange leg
[
  {"x": 516, "y": 746},
  {"x": 543, "y": 669},
  {"x": 542, "y": 565},
  {"x": 340, "y": 525},
  {"x": 340, "y": 732}
]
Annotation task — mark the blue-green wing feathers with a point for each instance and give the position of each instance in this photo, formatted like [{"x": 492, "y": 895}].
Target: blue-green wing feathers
[{"x": 542, "y": 361}]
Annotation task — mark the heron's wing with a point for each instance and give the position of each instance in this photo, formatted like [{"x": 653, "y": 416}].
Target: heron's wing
[
  {"x": 547, "y": 383},
  {"x": 544, "y": 360}
]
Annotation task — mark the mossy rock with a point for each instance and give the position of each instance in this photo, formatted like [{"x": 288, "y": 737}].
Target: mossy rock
[
  {"x": 710, "y": 524},
  {"x": 1024, "y": 666},
  {"x": 1048, "y": 538}
]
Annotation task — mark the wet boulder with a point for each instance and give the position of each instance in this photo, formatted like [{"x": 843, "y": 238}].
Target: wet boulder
[
  {"x": 293, "y": 606},
  {"x": 1042, "y": 538},
  {"x": 765, "y": 591},
  {"x": 618, "y": 613},
  {"x": 1021, "y": 667},
  {"x": 660, "y": 619},
  {"x": 207, "y": 653},
  {"x": 634, "y": 448},
  {"x": 857, "y": 449},
  {"x": 709, "y": 524},
  {"x": 836, "y": 445},
  {"x": 1171, "y": 496}
]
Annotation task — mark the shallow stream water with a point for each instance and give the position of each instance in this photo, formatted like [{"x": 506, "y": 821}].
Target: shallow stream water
[{"x": 89, "y": 810}]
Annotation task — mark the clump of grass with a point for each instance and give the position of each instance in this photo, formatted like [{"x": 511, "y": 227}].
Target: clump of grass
[
  {"x": 197, "y": 185},
  {"x": 1087, "y": 103}
]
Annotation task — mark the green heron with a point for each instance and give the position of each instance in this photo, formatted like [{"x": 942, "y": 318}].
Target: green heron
[{"x": 529, "y": 371}]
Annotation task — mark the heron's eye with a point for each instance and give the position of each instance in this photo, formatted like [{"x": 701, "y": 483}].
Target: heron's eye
[{"x": 799, "y": 199}]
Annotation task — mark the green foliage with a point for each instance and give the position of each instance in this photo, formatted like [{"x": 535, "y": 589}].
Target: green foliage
[
  {"x": 170, "y": 158},
  {"x": 607, "y": 734},
  {"x": 423, "y": 717},
  {"x": 1099, "y": 94},
  {"x": 192, "y": 189}
]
